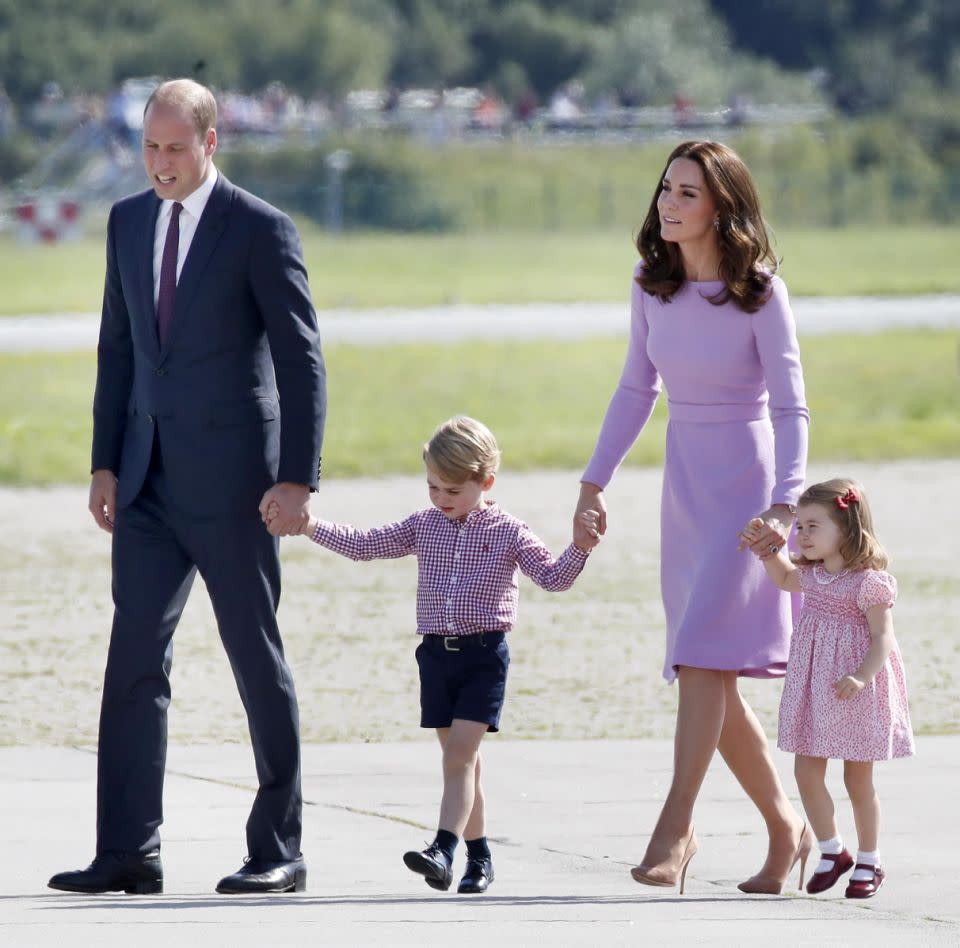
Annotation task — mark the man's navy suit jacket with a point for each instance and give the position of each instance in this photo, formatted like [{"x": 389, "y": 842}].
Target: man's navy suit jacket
[{"x": 236, "y": 395}]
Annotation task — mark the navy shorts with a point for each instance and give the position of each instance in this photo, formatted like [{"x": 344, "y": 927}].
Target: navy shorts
[{"x": 462, "y": 677}]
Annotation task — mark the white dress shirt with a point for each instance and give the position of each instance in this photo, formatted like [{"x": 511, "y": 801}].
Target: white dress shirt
[{"x": 193, "y": 206}]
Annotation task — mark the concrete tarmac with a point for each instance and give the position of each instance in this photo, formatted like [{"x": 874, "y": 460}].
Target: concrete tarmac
[{"x": 567, "y": 820}]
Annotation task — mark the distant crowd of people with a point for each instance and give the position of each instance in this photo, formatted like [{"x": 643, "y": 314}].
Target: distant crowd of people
[{"x": 432, "y": 113}]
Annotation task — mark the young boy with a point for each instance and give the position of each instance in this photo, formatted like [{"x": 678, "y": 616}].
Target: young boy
[{"x": 469, "y": 552}]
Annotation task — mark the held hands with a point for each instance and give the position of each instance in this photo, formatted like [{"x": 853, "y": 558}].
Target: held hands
[
  {"x": 273, "y": 512},
  {"x": 770, "y": 547},
  {"x": 290, "y": 505},
  {"x": 849, "y": 687},
  {"x": 589, "y": 521},
  {"x": 590, "y": 517},
  {"x": 767, "y": 534},
  {"x": 750, "y": 534}
]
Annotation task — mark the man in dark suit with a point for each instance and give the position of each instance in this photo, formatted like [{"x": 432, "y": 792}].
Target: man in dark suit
[{"x": 209, "y": 405}]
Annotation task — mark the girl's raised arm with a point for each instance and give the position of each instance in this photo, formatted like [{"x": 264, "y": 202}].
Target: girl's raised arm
[{"x": 783, "y": 573}]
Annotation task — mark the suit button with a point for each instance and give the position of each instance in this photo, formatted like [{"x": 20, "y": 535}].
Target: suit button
[
  {"x": 150, "y": 419},
  {"x": 161, "y": 371}
]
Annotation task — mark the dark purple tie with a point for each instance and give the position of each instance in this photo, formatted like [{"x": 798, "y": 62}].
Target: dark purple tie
[{"x": 168, "y": 273}]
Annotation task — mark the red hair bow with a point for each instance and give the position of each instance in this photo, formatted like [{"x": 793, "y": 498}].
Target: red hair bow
[{"x": 850, "y": 497}]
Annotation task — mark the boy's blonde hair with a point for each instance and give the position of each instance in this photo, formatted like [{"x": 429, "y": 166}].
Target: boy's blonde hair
[
  {"x": 846, "y": 502},
  {"x": 462, "y": 449}
]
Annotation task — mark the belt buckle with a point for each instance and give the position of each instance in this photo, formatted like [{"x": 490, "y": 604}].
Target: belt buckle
[{"x": 451, "y": 643}]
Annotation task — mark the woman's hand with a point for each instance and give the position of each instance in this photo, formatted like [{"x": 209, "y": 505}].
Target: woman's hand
[
  {"x": 750, "y": 534},
  {"x": 765, "y": 535},
  {"x": 590, "y": 517},
  {"x": 591, "y": 534}
]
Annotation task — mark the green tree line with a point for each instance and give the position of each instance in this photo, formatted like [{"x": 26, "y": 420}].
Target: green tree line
[
  {"x": 889, "y": 68},
  {"x": 870, "y": 54}
]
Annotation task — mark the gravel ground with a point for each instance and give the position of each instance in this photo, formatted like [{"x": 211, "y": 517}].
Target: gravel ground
[{"x": 586, "y": 663}]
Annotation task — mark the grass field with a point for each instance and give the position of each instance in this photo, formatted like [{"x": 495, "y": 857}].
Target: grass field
[
  {"x": 834, "y": 175},
  {"x": 885, "y": 396},
  {"x": 412, "y": 270}
]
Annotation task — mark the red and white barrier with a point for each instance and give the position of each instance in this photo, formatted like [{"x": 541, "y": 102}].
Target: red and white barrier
[{"x": 48, "y": 219}]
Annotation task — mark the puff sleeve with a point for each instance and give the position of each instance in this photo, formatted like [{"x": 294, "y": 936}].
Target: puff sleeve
[{"x": 877, "y": 589}]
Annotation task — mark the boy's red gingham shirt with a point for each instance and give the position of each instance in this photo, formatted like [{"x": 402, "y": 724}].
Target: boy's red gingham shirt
[{"x": 467, "y": 568}]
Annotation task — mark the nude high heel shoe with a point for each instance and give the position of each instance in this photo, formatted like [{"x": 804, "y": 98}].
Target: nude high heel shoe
[
  {"x": 767, "y": 885},
  {"x": 666, "y": 876}
]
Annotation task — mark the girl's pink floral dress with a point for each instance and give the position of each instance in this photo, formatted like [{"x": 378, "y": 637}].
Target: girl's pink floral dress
[{"x": 830, "y": 640}]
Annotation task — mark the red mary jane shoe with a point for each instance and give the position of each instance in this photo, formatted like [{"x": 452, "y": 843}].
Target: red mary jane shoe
[
  {"x": 865, "y": 888},
  {"x": 821, "y": 881}
]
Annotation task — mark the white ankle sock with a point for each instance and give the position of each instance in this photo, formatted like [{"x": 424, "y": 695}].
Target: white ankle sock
[
  {"x": 829, "y": 847},
  {"x": 871, "y": 859}
]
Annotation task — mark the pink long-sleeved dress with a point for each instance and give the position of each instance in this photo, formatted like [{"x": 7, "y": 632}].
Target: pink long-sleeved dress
[{"x": 736, "y": 443}]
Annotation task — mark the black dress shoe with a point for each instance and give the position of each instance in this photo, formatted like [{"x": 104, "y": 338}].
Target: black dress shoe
[
  {"x": 433, "y": 865},
  {"x": 262, "y": 875},
  {"x": 478, "y": 876},
  {"x": 133, "y": 873}
]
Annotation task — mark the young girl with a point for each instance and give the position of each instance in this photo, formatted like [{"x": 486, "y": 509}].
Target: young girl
[
  {"x": 845, "y": 694},
  {"x": 469, "y": 551}
]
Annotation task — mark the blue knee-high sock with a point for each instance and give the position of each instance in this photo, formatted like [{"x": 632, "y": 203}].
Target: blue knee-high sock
[
  {"x": 446, "y": 842},
  {"x": 478, "y": 848}
]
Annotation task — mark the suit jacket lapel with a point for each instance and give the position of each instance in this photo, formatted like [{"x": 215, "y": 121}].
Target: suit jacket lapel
[
  {"x": 147, "y": 308},
  {"x": 211, "y": 225}
]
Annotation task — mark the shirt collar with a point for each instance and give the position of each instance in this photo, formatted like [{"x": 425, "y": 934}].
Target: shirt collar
[
  {"x": 478, "y": 513},
  {"x": 194, "y": 203}
]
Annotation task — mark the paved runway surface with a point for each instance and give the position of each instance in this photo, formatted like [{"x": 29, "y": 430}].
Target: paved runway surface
[{"x": 568, "y": 820}]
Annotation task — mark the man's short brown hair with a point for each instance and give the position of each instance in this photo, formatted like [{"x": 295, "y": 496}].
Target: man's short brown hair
[{"x": 189, "y": 96}]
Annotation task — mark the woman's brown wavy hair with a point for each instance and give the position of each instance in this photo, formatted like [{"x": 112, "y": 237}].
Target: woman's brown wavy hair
[
  {"x": 860, "y": 547},
  {"x": 747, "y": 261}
]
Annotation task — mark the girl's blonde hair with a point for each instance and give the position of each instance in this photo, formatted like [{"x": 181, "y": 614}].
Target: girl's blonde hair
[
  {"x": 846, "y": 502},
  {"x": 462, "y": 449}
]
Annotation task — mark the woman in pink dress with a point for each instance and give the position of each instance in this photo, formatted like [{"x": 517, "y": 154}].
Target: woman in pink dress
[
  {"x": 845, "y": 694},
  {"x": 711, "y": 320}
]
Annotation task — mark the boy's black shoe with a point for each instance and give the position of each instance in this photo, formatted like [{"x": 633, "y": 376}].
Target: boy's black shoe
[
  {"x": 478, "y": 876},
  {"x": 433, "y": 865}
]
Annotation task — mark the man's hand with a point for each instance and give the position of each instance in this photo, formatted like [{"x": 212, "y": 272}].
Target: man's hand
[
  {"x": 103, "y": 498},
  {"x": 285, "y": 509},
  {"x": 273, "y": 511}
]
